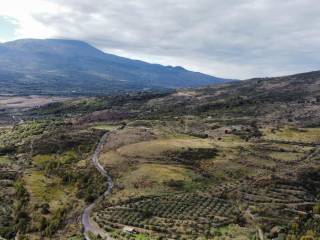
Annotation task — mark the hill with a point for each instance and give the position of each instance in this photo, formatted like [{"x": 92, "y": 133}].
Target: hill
[
  {"x": 287, "y": 99},
  {"x": 64, "y": 67},
  {"x": 293, "y": 98}
]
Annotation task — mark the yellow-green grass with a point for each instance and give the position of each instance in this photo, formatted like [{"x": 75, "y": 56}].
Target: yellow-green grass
[
  {"x": 225, "y": 170},
  {"x": 258, "y": 161},
  {"x": 154, "y": 148},
  {"x": 111, "y": 158},
  {"x": 287, "y": 147},
  {"x": 160, "y": 173},
  {"x": 231, "y": 141},
  {"x": 68, "y": 156},
  {"x": 43, "y": 189},
  {"x": 115, "y": 163},
  {"x": 141, "y": 237},
  {"x": 223, "y": 158},
  {"x": 149, "y": 179},
  {"x": 131, "y": 163},
  {"x": 141, "y": 123},
  {"x": 105, "y": 126},
  {"x": 4, "y": 160},
  {"x": 235, "y": 232},
  {"x": 75, "y": 238},
  {"x": 286, "y": 156},
  {"x": 62, "y": 158},
  {"x": 234, "y": 160},
  {"x": 42, "y": 158},
  {"x": 304, "y": 135},
  {"x": 37, "y": 236}
]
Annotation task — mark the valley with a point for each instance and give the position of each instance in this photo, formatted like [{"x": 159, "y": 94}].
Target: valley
[
  {"x": 12, "y": 106},
  {"x": 231, "y": 161}
]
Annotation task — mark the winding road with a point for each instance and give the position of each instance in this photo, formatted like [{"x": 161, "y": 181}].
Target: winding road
[{"x": 88, "y": 224}]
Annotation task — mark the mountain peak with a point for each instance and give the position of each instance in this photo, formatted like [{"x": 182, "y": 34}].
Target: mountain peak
[
  {"x": 26, "y": 41},
  {"x": 46, "y": 45}
]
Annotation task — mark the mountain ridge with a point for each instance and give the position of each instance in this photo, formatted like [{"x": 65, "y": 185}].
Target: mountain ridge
[{"x": 58, "y": 66}]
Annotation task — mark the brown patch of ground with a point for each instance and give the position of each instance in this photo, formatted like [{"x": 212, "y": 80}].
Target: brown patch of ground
[{"x": 27, "y": 102}]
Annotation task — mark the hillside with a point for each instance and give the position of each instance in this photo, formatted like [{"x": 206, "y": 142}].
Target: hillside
[
  {"x": 234, "y": 161},
  {"x": 280, "y": 100},
  {"x": 284, "y": 99},
  {"x": 65, "y": 67}
]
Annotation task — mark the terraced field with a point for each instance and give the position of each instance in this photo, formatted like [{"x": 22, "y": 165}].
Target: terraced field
[
  {"x": 178, "y": 216},
  {"x": 169, "y": 184},
  {"x": 183, "y": 187}
]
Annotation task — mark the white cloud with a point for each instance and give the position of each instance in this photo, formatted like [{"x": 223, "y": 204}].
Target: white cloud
[
  {"x": 228, "y": 38},
  {"x": 23, "y": 13}
]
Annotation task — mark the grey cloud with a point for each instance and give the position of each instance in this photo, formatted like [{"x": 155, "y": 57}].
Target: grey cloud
[{"x": 230, "y": 38}]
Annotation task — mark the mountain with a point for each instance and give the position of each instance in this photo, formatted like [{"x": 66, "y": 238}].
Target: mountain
[{"x": 55, "y": 66}]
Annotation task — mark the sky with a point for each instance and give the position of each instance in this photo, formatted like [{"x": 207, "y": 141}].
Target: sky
[{"x": 236, "y": 39}]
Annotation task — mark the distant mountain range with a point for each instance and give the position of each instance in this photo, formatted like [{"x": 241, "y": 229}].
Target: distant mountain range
[{"x": 55, "y": 66}]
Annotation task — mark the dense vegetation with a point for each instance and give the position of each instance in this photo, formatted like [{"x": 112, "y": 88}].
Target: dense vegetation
[{"x": 43, "y": 179}]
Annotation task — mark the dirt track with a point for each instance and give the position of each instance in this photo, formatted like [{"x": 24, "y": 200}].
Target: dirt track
[{"x": 88, "y": 224}]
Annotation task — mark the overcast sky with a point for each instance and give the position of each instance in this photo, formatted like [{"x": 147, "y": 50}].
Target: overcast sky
[{"x": 227, "y": 38}]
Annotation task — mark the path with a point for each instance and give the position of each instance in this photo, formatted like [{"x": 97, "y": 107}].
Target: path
[{"x": 88, "y": 224}]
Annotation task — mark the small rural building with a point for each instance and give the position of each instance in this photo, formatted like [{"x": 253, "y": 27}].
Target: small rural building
[{"x": 128, "y": 229}]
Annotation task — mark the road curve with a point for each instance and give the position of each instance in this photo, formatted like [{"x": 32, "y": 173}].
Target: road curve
[{"x": 88, "y": 224}]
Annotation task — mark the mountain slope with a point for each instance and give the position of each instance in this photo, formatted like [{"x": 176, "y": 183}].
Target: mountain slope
[
  {"x": 287, "y": 99},
  {"x": 294, "y": 98},
  {"x": 63, "y": 66}
]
